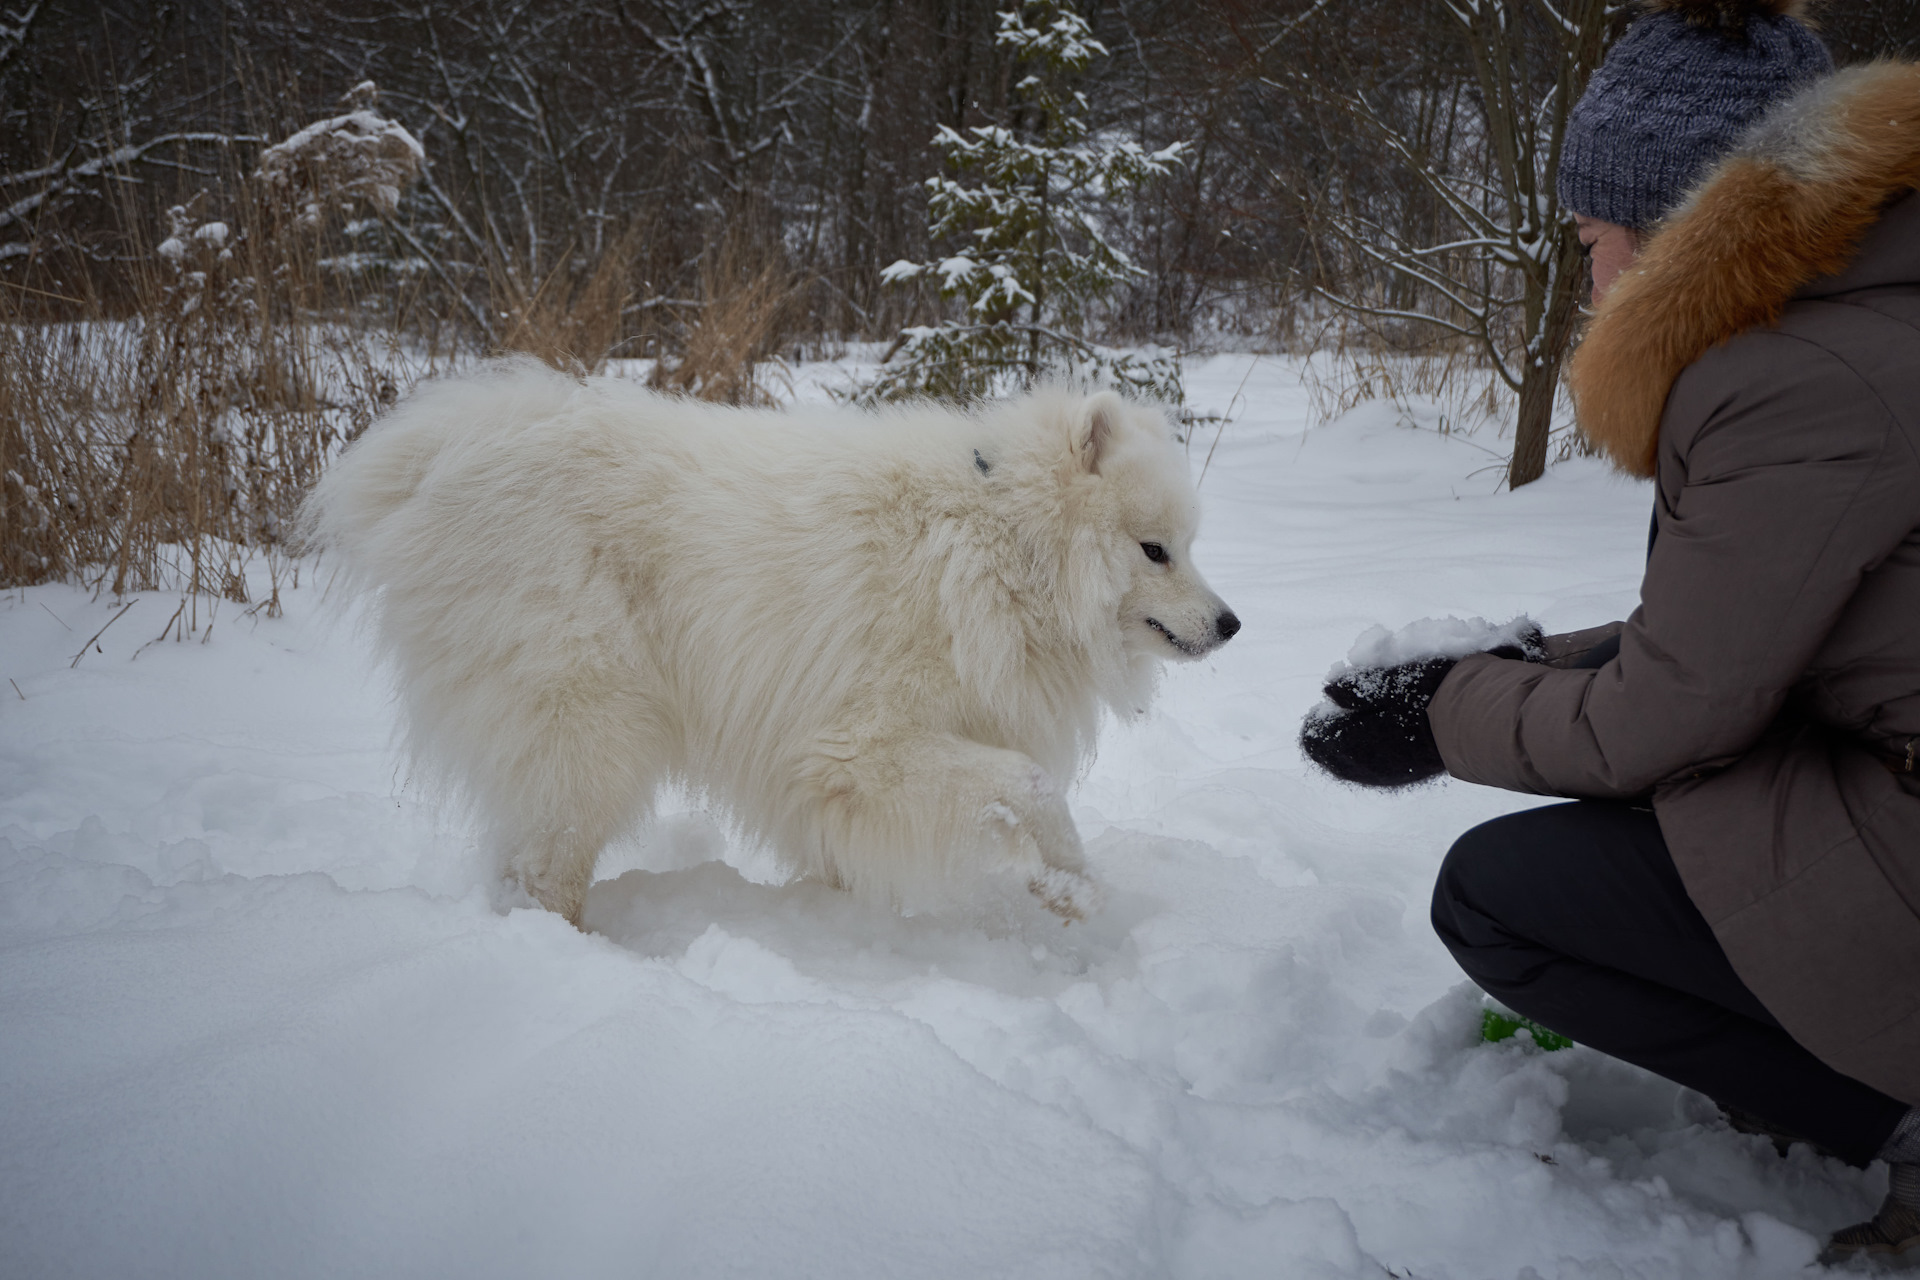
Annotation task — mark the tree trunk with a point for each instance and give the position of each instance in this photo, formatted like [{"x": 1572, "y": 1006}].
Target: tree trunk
[
  {"x": 1535, "y": 423},
  {"x": 1546, "y": 354}
]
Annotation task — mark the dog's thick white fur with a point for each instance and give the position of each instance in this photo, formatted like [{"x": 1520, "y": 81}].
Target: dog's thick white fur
[{"x": 882, "y": 643}]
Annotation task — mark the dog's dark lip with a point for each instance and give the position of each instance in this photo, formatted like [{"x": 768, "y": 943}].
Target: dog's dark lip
[{"x": 1191, "y": 650}]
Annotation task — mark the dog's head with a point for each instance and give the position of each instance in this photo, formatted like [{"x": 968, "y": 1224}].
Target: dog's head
[{"x": 1147, "y": 514}]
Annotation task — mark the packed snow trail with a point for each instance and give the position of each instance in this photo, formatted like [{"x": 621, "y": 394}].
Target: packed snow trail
[{"x": 259, "y": 1020}]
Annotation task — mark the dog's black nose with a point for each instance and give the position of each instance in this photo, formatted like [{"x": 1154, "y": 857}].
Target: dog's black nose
[{"x": 1227, "y": 625}]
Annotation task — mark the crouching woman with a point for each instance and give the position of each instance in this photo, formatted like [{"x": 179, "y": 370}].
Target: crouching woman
[{"x": 1734, "y": 899}]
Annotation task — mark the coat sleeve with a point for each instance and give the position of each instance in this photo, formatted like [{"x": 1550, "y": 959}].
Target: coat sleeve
[
  {"x": 1583, "y": 648},
  {"x": 1788, "y": 491}
]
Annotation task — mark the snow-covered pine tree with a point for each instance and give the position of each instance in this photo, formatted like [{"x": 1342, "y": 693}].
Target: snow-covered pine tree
[{"x": 1022, "y": 206}]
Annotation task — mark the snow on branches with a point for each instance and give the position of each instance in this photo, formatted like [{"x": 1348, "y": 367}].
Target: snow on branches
[{"x": 1023, "y": 211}]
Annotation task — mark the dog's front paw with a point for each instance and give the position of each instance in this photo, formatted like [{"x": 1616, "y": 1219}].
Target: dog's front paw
[{"x": 1068, "y": 894}]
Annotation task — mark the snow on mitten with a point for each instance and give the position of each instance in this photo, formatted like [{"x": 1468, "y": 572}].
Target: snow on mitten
[{"x": 1376, "y": 732}]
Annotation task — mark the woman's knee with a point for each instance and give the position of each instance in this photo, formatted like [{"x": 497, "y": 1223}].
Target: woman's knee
[{"x": 1478, "y": 873}]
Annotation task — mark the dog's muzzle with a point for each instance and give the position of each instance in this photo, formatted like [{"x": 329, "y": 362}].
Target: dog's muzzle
[{"x": 1225, "y": 627}]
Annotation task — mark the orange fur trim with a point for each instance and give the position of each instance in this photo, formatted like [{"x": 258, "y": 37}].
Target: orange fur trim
[{"x": 1775, "y": 216}]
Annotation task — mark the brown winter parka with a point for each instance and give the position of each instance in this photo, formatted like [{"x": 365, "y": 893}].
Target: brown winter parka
[{"x": 1761, "y": 362}]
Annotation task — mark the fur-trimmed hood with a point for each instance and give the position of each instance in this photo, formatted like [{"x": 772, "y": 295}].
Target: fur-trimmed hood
[{"x": 1789, "y": 206}]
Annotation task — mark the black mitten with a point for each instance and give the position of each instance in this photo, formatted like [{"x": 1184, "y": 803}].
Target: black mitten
[{"x": 1376, "y": 732}]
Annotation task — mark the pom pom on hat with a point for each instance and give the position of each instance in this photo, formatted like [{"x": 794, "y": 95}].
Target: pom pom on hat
[
  {"x": 1673, "y": 96},
  {"x": 1728, "y": 16}
]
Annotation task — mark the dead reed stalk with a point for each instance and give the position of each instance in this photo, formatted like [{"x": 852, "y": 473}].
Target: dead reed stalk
[
  {"x": 1352, "y": 364},
  {"x": 163, "y": 444},
  {"x": 574, "y": 319},
  {"x": 746, "y": 313}
]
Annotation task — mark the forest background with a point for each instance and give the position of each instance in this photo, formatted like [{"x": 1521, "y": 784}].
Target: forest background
[{"x": 230, "y": 232}]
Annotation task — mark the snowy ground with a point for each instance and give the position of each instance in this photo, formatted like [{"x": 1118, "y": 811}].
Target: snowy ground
[{"x": 256, "y": 1019}]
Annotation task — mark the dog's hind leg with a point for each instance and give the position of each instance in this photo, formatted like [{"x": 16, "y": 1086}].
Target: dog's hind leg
[
  {"x": 877, "y": 795},
  {"x": 555, "y": 864},
  {"x": 577, "y": 778}
]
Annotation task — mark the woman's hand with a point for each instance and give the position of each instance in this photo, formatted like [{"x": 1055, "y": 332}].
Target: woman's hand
[{"x": 1375, "y": 733}]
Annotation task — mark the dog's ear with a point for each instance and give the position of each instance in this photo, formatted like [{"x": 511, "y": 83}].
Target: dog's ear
[{"x": 1093, "y": 435}]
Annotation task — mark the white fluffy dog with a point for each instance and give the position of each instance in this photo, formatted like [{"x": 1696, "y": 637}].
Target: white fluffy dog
[{"x": 880, "y": 642}]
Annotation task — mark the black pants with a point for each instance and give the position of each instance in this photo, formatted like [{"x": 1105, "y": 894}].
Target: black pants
[{"x": 1575, "y": 916}]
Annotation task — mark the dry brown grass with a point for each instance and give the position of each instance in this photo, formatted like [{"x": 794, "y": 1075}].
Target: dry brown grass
[
  {"x": 165, "y": 445},
  {"x": 571, "y": 318},
  {"x": 1352, "y": 364},
  {"x": 1352, "y": 368},
  {"x": 748, "y": 311},
  {"x": 165, "y": 441}
]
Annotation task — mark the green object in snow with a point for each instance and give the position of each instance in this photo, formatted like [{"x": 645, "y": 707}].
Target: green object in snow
[{"x": 1497, "y": 1025}]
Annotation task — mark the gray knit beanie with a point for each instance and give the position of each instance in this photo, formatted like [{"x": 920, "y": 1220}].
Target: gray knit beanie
[{"x": 1673, "y": 96}]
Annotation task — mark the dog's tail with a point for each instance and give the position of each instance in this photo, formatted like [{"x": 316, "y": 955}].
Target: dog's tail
[{"x": 351, "y": 511}]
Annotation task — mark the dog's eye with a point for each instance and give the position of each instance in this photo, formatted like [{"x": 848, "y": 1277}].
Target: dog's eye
[{"x": 1155, "y": 552}]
